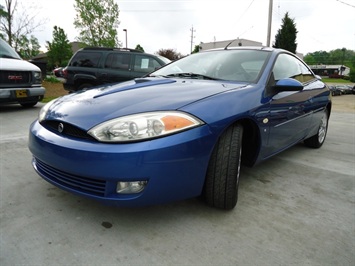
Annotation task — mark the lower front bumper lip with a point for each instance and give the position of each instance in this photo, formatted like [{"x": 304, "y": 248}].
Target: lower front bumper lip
[{"x": 90, "y": 188}]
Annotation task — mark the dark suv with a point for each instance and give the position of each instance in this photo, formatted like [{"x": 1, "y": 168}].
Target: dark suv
[{"x": 94, "y": 66}]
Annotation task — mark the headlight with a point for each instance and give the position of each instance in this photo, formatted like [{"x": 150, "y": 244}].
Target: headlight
[
  {"x": 143, "y": 126},
  {"x": 43, "y": 112},
  {"x": 37, "y": 77}
]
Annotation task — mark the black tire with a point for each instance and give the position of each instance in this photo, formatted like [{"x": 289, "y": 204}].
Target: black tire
[
  {"x": 222, "y": 179},
  {"x": 28, "y": 105},
  {"x": 318, "y": 139}
]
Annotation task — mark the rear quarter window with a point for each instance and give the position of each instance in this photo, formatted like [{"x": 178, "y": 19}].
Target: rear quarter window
[{"x": 85, "y": 59}]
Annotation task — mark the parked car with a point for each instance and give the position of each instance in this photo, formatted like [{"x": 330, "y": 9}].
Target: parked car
[
  {"x": 344, "y": 89},
  {"x": 351, "y": 89},
  {"x": 335, "y": 91},
  {"x": 20, "y": 81},
  {"x": 94, "y": 66},
  {"x": 183, "y": 130},
  {"x": 58, "y": 72}
]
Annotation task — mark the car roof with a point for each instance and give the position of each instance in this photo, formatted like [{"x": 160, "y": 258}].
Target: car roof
[{"x": 110, "y": 49}]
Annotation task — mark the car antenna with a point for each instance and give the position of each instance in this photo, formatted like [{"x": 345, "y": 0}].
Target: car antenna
[{"x": 232, "y": 41}]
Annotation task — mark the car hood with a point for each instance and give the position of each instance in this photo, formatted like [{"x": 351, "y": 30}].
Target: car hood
[
  {"x": 86, "y": 109},
  {"x": 17, "y": 64}
]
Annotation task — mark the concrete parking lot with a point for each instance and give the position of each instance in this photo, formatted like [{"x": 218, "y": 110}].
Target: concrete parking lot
[{"x": 297, "y": 208}]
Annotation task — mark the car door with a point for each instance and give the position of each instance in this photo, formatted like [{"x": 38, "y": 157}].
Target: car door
[
  {"x": 290, "y": 112},
  {"x": 319, "y": 95},
  {"x": 117, "y": 68},
  {"x": 83, "y": 68}
]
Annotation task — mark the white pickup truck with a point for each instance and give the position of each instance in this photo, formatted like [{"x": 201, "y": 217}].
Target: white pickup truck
[{"x": 20, "y": 81}]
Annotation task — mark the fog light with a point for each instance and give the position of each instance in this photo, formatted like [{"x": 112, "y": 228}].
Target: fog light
[{"x": 130, "y": 187}]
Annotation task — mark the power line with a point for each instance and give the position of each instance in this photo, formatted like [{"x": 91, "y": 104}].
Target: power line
[
  {"x": 346, "y": 3},
  {"x": 245, "y": 11}
]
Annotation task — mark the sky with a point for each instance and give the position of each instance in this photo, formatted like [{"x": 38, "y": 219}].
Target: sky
[{"x": 323, "y": 25}]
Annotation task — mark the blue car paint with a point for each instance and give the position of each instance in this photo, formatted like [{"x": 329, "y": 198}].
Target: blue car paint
[
  {"x": 131, "y": 101},
  {"x": 174, "y": 166},
  {"x": 139, "y": 83}
]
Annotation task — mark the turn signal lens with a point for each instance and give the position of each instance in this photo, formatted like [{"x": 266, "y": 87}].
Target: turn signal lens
[{"x": 176, "y": 122}]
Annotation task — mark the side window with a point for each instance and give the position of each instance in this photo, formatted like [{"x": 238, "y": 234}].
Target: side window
[
  {"x": 145, "y": 64},
  {"x": 287, "y": 66},
  {"x": 85, "y": 59},
  {"x": 118, "y": 61},
  {"x": 307, "y": 74}
]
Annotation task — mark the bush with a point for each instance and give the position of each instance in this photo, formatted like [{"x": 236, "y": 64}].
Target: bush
[
  {"x": 52, "y": 79},
  {"x": 336, "y": 76},
  {"x": 352, "y": 75}
]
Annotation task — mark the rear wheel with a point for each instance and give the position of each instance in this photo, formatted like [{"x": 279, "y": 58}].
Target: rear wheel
[
  {"x": 28, "y": 104},
  {"x": 222, "y": 179},
  {"x": 318, "y": 139}
]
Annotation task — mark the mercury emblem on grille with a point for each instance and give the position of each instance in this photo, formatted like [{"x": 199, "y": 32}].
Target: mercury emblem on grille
[{"x": 60, "y": 127}]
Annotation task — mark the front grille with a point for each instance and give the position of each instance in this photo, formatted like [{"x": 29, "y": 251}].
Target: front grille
[
  {"x": 15, "y": 78},
  {"x": 66, "y": 129},
  {"x": 81, "y": 184}
]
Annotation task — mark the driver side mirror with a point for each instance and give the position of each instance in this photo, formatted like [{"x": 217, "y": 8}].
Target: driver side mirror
[{"x": 287, "y": 84}]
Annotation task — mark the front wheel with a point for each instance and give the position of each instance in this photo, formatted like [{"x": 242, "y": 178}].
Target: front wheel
[
  {"x": 222, "y": 179},
  {"x": 318, "y": 139},
  {"x": 28, "y": 104}
]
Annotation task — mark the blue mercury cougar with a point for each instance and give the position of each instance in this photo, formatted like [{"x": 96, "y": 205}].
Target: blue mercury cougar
[{"x": 181, "y": 131}]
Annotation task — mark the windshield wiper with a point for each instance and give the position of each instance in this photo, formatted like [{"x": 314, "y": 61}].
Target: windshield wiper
[
  {"x": 156, "y": 76},
  {"x": 190, "y": 75}
]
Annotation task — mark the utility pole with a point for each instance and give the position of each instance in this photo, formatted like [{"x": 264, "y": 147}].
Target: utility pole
[
  {"x": 192, "y": 37},
  {"x": 125, "y": 30},
  {"x": 269, "y": 24}
]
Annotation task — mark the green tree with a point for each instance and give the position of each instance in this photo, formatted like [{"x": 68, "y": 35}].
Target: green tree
[
  {"x": 287, "y": 35},
  {"x": 196, "y": 49},
  {"x": 15, "y": 24},
  {"x": 341, "y": 56},
  {"x": 352, "y": 74},
  {"x": 139, "y": 48},
  {"x": 28, "y": 48},
  {"x": 3, "y": 15},
  {"x": 317, "y": 58},
  {"x": 59, "y": 50},
  {"x": 97, "y": 22},
  {"x": 335, "y": 57}
]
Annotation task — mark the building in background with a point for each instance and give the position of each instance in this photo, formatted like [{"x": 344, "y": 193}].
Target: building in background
[
  {"x": 332, "y": 71},
  {"x": 233, "y": 43}
]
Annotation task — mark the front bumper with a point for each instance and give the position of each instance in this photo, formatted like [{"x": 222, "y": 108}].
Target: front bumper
[
  {"x": 174, "y": 166},
  {"x": 22, "y": 94}
]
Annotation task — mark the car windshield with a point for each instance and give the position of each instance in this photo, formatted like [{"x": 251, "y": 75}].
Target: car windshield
[
  {"x": 6, "y": 51},
  {"x": 232, "y": 65}
]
